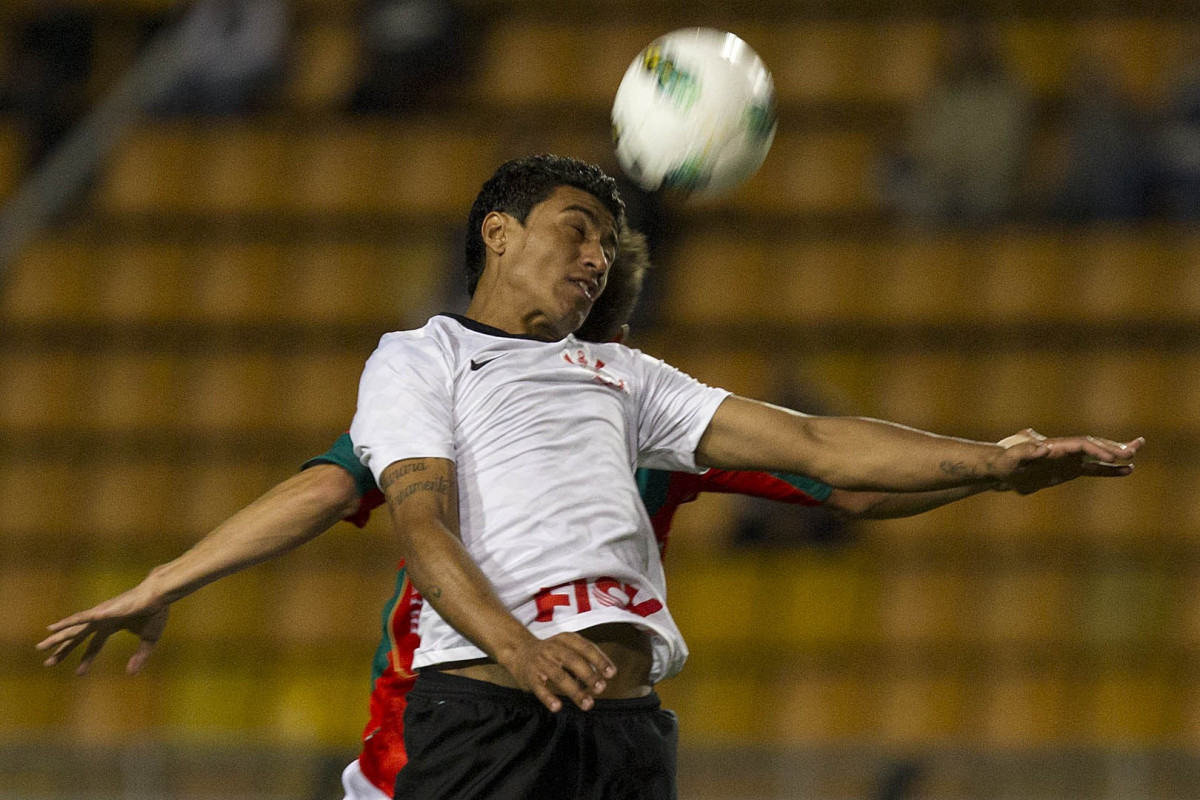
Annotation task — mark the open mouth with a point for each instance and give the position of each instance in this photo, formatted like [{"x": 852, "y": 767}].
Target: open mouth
[{"x": 586, "y": 288}]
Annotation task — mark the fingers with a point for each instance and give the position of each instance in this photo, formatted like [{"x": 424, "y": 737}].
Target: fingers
[
  {"x": 1091, "y": 447},
  {"x": 64, "y": 646},
  {"x": 59, "y": 636},
  {"x": 1097, "y": 470},
  {"x": 572, "y": 675},
  {"x": 89, "y": 654},
  {"x": 567, "y": 665},
  {"x": 139, "y": 657}
]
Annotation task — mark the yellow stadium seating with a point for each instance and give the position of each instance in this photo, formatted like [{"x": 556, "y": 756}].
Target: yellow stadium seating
[
  {"x": 206, "y": 701},
  {"x": 335, "y": 170},
  {"x": 720, "y": 705},
  {"x": 32, "y": 597},
  {"x": 923, "y": 707},
  {"x": 926, "y": 605},
  {"x": 1026, "y": 606},
  {"x": 847, "y": 61},
  {"x": 233, "y": 611},
  {"x": 228, "y": 392},
  {"x": 927, "y": 390},
  {"x": 819, "y": 705},
  {"x": 53, "y": 280},
  {"x": 1023, "y": 708},
  {"x": 37, "y": 493},
  {"x": 719, "y": 603},
  {"x": 324, "y": 65},
  {"x": 244, "y": 169},
  {"x": 314, "y": 603},
  {"x": 321, "y": 392},
  {"x": 208, "y": 492},
  {"x": 822, "y": 280},
  {"x": 111, "y": 709},
  {"x": 127, "y": 391},
  {"x": 42, "y": 389},
  {"x": 123, "y": 502},
  {"x": 155, "y": 168},
  {"x": 143, "y": 282},
  {"x": 818, "y": 172},
  {"x": 34, "y": 703},
  {"x": 318, "y": 704},
  {"x": 1126, "y": 707},
  {"x": 528, "y": 63},
  {"x": 817, "y": 601},
  {"x": 237, "y": 281}
]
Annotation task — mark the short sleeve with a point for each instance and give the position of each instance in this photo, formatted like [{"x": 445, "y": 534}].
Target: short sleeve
[
  {"x": 342, "y": 455},
  {"x": 674, "y": 410},
  {"x": 404, "y": 403}
]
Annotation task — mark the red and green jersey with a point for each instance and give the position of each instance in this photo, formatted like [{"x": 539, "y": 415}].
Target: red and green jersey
[{"x": 662, "y": 493}]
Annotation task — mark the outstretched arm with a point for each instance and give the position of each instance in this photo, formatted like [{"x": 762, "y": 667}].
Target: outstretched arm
[
  {"x": 872, "y": 455},
  {"x": 422, "y": 496},
  {"x": 293, "y": 512}
]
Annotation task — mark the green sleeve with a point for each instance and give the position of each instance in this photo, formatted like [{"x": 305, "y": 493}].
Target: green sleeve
[{"x": 342, "y": 454}]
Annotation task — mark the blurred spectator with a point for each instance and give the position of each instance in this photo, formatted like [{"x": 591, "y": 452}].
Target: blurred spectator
[
  {"x": 233, "y": 56},
  {"x": 51, "y": 61},
  {"x": 1179, "y": 144},
  {"x": 967, "y": 139},
  {"x": 415, "y": 54},
  {"x": 1107, "y": 164}
]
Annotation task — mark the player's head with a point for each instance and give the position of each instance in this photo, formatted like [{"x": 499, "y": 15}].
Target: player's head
[
  {"x": 517, "y": 186},
  {"x": 609, "y": 319}
]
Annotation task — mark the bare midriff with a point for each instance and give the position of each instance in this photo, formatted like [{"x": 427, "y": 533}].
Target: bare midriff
[{"x": 627, "y": 646}]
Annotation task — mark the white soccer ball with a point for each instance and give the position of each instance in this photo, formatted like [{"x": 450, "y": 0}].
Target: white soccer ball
[{"x": 695, "y": 113}]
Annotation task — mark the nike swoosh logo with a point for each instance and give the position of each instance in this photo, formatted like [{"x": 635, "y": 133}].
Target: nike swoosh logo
[{"x": 481, "y": 364}]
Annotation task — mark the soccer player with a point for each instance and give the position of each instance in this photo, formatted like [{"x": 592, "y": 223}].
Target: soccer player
[
  {"x": 505, "y": 449},
  {"x": 336, "y": 484}
]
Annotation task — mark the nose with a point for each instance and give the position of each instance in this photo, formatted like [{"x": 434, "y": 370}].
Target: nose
[{"x": 594, "y": 257}]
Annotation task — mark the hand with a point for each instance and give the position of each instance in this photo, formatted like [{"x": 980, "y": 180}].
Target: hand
[
  {"x": 135, "y": 611},
  {"x": 1035, "y": 462},
  {"x": 565, "y": 664}
]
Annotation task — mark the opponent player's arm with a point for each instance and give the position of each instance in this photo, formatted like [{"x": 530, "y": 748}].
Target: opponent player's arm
[
  {"x": 844, "y": 503},
  {"x": 892, "y": 505},
  {"x": 422, "y": 496},
  {"x": 293, "y": 512},
  {"x": 873, "y": 455}
]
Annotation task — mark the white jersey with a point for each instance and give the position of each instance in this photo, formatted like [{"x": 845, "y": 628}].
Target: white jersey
[{"x": 545, "y": 437}]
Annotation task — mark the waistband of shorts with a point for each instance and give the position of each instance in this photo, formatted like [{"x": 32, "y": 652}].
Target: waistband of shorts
[{"x": 433, "y": 684}]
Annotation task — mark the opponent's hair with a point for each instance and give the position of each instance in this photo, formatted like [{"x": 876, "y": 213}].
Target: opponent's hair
[
  {"x": 518, "y": 185},
  {"x": 614, "y": 305}
]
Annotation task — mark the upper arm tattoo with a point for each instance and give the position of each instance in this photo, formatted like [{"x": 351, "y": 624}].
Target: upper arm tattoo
[{"x": 401, "y": 481}]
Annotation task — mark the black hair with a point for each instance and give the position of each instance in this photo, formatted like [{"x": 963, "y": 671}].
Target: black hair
[{"x": 519, "y": 185}]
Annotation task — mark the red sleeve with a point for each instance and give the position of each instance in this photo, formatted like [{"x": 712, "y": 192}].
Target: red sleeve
[
  {"x": 366, "y": 504},
  {"x": 754, "y": 484}
]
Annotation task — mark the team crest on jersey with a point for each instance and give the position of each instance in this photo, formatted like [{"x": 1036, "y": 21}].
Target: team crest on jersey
[{"x": 581, "y": 357}]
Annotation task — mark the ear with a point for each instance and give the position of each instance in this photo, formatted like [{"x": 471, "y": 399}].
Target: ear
[
  {"x": 494, "y": 232},
  {"x": 621, "y": 336}
]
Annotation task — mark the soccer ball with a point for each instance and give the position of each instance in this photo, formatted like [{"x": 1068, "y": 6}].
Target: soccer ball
[{"x": 695, "y": 113}]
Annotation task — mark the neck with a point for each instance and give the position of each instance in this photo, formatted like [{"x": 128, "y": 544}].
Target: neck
[{"x": 511, "y": 319}]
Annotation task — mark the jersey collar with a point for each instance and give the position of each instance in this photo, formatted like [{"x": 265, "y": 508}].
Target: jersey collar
[{"x": 488, "y": 330}]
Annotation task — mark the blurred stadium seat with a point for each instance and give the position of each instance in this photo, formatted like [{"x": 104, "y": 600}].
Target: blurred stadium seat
[{"x": 1004, "y": 622}]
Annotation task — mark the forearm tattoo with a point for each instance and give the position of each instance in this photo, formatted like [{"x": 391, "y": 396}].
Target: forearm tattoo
[{"x": 960, "y": 469}]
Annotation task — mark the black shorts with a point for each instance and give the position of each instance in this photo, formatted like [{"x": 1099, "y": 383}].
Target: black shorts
[{"x": 470, "y": 739}]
